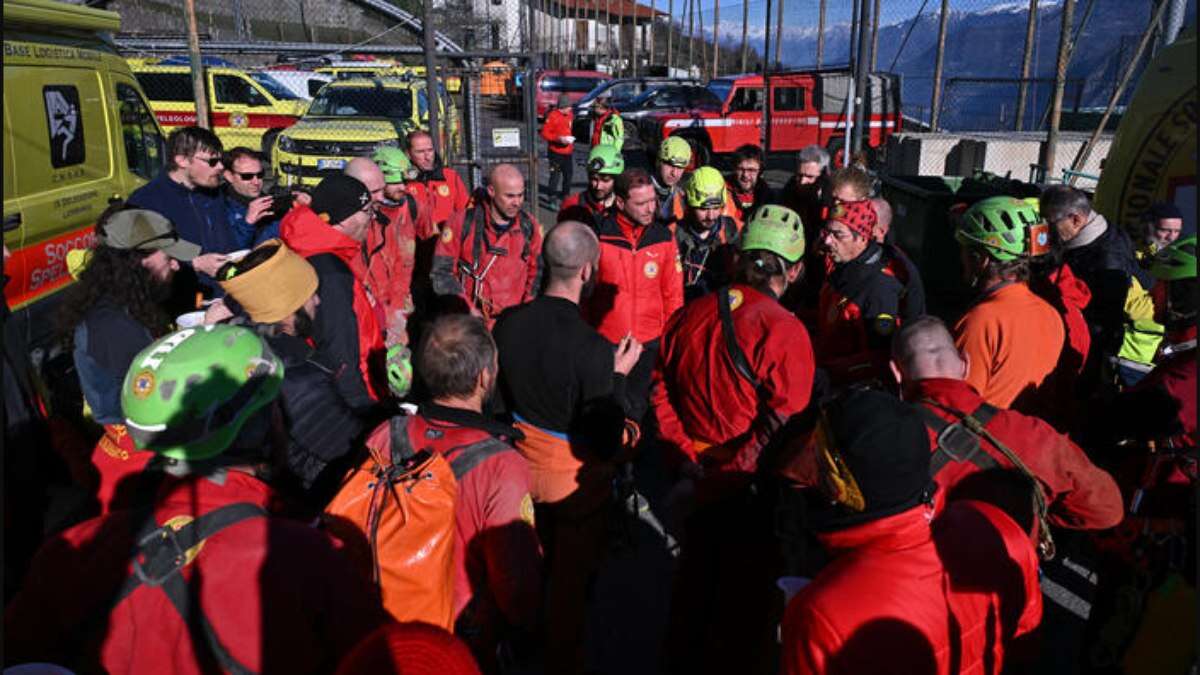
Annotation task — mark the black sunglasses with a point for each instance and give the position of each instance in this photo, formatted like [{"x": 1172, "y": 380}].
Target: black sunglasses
[
  {"x": 250, "y": 176},
  {"x": 211, "y": 161}
]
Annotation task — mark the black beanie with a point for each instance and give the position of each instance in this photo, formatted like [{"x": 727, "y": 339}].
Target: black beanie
[
  {"x": 885, "y": 447},
  {"x": 338, "y": 197}
]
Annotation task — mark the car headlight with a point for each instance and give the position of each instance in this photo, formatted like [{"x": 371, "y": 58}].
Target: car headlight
[{"x": 286, "y": 144}]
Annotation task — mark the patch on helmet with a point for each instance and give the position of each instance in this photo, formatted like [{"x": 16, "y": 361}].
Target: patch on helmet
[
  {"x": 650, "y": 270},
  {"x": 884, "y": 324},
  {"x": 444, "y": 190},
  {"x": 447, "y": 234},
  {"x": 735, "y": 299},
  {"x": 527, "y": 509},
  {"x": 143, "y": 384}
]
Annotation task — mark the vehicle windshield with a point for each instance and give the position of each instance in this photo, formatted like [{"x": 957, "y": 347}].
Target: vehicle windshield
[
  {"x": 569, "y": 84},
  {"x": 604, "y": 86},
  {"x": 721, "y": 89},
  {"x": 274, "y": 87},
  {"x": 362, "y": 102}
]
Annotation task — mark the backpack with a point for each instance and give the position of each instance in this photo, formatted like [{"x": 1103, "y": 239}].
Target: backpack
[{"x": 396, "y": 514}]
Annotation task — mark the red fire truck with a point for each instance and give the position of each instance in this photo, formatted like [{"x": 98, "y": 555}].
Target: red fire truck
[{"x": 807, "y": 108}]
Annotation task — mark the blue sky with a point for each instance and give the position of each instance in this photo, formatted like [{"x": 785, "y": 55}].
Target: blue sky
[{"x": 804, "y": 12}]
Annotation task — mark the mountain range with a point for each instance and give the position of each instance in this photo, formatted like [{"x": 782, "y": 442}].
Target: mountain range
[{"x": 989, "y": 43}]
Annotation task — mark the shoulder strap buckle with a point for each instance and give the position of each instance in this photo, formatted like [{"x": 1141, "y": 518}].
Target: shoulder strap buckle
[{"x": 163, "y": 554}]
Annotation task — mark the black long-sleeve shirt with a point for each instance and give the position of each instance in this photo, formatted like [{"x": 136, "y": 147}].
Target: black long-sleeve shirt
[{"x": 556, "y": 371}]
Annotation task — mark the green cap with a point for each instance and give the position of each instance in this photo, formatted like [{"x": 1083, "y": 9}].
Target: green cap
[
  {"x": 1000, "y": 226},
  {"x": 705, "y": 189},
  {"x": 1177, "y": 261},
  {"x": 776, "y": 229},
  {"x": 145, "y": 230},
  {"x": 394, "y": 164},
  {"x": 606, "y": 159},
  {"x": 675, "y": 151},
  {"x": 188, "y": 394}
]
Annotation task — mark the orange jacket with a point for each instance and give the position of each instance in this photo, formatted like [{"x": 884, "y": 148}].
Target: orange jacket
[
  {"x": 558, "y": 124},
  {"x": 391, "y": 256},
  {"x": 440, "y": 194},
  {"x": 640, "y": 281}
]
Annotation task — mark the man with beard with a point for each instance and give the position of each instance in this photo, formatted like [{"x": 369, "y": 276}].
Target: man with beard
[
  {"x": 249, "y": 211},
  {"x": 566, "y": 391},
  {"x": 590, "y": 206},
  {"x": 707, "y": 235},
  {"x": 277, "y": 290},
  {"x": 491, "y": 256},
  {"x": 115, "y": 310},
  {"x": 747, "y": 187},
  {"x": 186, "y": 194}
]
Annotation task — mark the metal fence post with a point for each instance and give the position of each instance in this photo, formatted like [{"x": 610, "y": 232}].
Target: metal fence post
[
  {"x": 1060, "y": 74},
  {"x": 861, "y": 84},
  {"x": 1026, "y": 63},
  {"x": 935, "y": 106},
  {"x": 765, "y": 134},
  {"x": 432, "y": 93},
  {"x": 198, "y": 88},
  {"x": 820, "y": 32}
]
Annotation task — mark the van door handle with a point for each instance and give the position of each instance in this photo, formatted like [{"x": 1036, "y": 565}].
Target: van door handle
[{"x": 12, "y": 221}]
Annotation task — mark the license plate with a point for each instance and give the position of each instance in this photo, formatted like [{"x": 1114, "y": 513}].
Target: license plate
[{"x": 331, "y": 164}]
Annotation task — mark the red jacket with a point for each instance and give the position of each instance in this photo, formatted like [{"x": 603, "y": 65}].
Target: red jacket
[
  {"x": 580, "y": 206},
  {"x": 440, "y": 194},
  {"x": 707, "y": 411},
  {"x": 1056, "y": 399},
  {"x": 310, "y": 236},
  {"x": 1079, "y": 495},
  {"x": 391, "y": 256},
  {"x": 640, "y": 281},
  {"x": 497, "y": 555},
  {"x": 278, "y": 595},
  {"x": 904, "y": 595},
  {"x": 558, "y": 124},
  {"x": 491, "y": 271}
]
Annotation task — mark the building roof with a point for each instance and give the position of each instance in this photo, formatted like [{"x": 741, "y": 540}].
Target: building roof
[{"x": 597, "y": 9}]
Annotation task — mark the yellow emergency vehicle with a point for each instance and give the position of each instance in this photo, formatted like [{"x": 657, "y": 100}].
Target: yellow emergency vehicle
[
  {"x": 246, "y": 109},
  {"x": 78, "y": 136},
  {"x": 350, "y": 118}
]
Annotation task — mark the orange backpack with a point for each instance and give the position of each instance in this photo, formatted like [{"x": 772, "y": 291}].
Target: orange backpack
[{"x": 396, "y": 514}]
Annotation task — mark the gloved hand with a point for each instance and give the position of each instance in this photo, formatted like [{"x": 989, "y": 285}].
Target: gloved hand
[{"x": 399, "y": 370}]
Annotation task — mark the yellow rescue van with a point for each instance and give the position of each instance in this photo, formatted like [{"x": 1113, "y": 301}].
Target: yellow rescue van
[{"x": 79, "y": 135}]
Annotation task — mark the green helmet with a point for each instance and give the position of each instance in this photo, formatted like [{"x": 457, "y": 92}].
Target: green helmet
[
  {"x": 676, "y": 152},
  {"x": 606, "y": 159},
  {"x": 1000, "y": 226},
  {"x": 776, "y": 229},
  {"x": 393, "y": 162},
  {"x": 188, "y": 394},
  {"x": 1177, "y": 261},
  {"x": 705, "y": 189}
]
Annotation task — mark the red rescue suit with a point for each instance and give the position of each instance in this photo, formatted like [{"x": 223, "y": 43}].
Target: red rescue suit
[
  {"x": 497, "y": 556},
  {"x": 1056, "y": 399},
  {"x": 582, "y": 208},
  {"x": 308, "y": 235},
  {"x": 709, "y": 413},
  {"x": 391, "y": 257},
  {"x": 440, "y": 193},
  {"x": 640, "y": 281},
  {"x": 558, "y": 124},
  {"x": 1079, "y": 495},
  {"x": 118, "y": 462},
  {"x": 278, "y": 595},
  {"x": 903, "y": 594},
  {"x": 491, "y": 269},
  {"x": 861, "y": 306}
]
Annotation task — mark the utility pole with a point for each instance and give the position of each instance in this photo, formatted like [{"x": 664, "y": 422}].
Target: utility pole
[
  {"x": 820, "y": 33},
  {"x": 745, "y": 25},
  {"x": 670, "y": 35},
  {"x": 1060, "y": 76},
  {"x": 703, "y": 42},
  {"x": 1026, "y": 64},
  {"x": 765, "y": 134},
  {"x": 862, "y": 91},
  {"x": 691, "y": 10},
  {"x": 716, "y": 37},
  {"x": 778, "y": 33},
  {"x": 936, "y": 103},
  {"x": 197, "y": 66},
  {"x": 431, "y": 88},
  {"x": 650, "y": 31},
  {"x": 874, "y": 34},
  {"x": 608, "y": 35}
]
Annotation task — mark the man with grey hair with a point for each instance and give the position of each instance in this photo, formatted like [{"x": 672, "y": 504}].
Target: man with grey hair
[
  {"x": 807, "y": 193},
  {"x": 931, "y": 371},
  {"x": 564, "y": 385},
  {"x": 1102, "y": 256}
]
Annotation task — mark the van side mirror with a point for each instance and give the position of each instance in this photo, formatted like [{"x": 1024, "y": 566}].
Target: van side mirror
[{"x": 314, "y": 87}]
